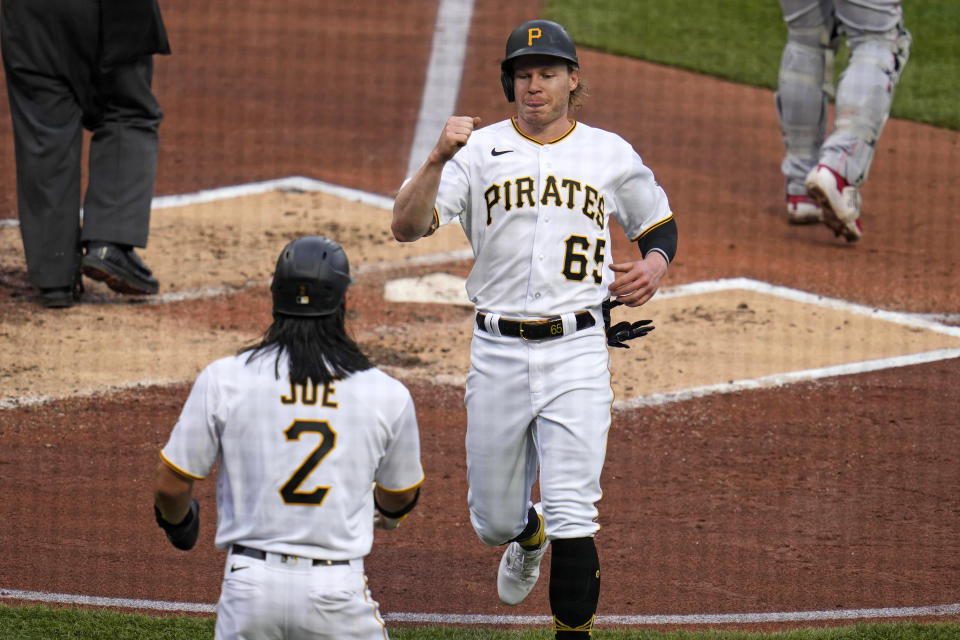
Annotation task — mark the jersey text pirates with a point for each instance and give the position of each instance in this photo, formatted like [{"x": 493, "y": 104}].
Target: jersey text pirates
[{"x": 537, "y": 215}]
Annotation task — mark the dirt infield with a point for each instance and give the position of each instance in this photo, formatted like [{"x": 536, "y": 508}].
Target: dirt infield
[{"x": 833, "y": 493}]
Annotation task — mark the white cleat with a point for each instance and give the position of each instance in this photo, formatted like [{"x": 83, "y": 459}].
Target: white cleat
[
  {"x": 519, "y": 571},
  {"x": 839, "y": 201},
  {"x": 803, "y": 210}
]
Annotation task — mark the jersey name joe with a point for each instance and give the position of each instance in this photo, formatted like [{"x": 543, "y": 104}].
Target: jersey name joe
[
  {"x": 537, "y": 215},
  {"x": 297, "y": 462}
]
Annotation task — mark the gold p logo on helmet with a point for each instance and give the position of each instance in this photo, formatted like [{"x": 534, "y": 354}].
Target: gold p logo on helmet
[{"x": 535, "y": 37}]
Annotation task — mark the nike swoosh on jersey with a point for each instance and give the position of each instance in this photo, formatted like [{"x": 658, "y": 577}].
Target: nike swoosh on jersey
[
  {"x": 494, "y": 152},
  {"x": 236, "y": 568}
]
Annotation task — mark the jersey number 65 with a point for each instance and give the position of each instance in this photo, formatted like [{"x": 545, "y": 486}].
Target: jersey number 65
[{"x": 576, "y": 264}]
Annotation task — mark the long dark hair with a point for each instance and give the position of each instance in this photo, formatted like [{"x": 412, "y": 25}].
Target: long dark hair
[{"x": 317, "y": 347}]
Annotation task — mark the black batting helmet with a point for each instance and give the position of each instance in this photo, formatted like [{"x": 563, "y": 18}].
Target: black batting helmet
[
  {"x": 535, "y": 37},
  {"x": 311, "y": 277}
]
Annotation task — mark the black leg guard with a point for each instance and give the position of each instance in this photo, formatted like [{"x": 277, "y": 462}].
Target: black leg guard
[{"x": 574, "y": 587}]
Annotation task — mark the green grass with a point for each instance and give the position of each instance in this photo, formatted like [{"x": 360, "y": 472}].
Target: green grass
[
  {"x": 37, "y": 622},
  {"x": 741, "y": 40},
  {"x": 45, "y": 623}
]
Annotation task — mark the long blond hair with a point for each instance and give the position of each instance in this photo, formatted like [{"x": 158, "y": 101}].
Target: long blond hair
[{"x": 579, "y": 95}]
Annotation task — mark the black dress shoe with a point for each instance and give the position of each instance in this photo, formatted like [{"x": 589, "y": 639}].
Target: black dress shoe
[
  {"x": 61, "y": 297},
  {"x": 120, "y": 268},
  {"x": 57, "y": 297}
]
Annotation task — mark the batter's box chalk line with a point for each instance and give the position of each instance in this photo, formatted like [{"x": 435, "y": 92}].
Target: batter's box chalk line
[
  {"x": 482, "y": 619},
  {"x": 929, "y": 322},
  {"x": 747, "y": 284}
]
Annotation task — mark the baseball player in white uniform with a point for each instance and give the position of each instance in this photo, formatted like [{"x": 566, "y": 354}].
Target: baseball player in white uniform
[
  {"x": 824, "y": 176},
  {"x": 535, "y": 195},
  {"x": 315, "y": 446}
]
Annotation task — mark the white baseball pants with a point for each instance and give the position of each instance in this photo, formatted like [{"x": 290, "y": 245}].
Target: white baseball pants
[
  {"x": 277, "y": 599},
  {"x": 531, "y": 404}
]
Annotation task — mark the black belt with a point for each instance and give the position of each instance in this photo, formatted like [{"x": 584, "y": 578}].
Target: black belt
[
  {"x": 262, "y": 555},
  {"x": 537, "y": 329}
]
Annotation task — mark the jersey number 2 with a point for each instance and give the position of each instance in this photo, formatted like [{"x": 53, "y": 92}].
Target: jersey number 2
[
  {"x": 576, "y": 263},
  {"x": 328, "y": 438}
]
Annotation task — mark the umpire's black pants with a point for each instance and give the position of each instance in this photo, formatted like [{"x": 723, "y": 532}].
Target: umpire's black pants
[{"x": 56, "y": 89}]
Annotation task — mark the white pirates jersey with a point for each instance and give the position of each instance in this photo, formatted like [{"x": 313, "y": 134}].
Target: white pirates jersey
[
  {"x": 537, "y": 215},
  {"x": 297, "y": 463}
]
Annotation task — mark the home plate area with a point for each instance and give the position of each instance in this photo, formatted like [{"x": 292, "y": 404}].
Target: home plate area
[{"x": 724, "y": 334}]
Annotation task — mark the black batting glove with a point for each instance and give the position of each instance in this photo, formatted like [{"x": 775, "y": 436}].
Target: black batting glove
[
  {"x": 183, "y": 535},
  {"x": 621, "y": 332}
]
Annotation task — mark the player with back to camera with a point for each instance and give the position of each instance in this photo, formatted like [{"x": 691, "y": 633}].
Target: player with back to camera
[
  {"x": 824, "y": 176},
  {"x": 316, "y": 446},
  {"x": 535, "y": 195}
]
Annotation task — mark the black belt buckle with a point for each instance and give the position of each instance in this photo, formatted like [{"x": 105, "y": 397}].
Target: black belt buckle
[{"x": 552, "y": 328}]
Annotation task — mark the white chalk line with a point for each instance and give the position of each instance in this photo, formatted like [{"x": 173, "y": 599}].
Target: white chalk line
[
  {"x": 293, "y": 184},
  {"x": 101, "y": 601},
  {"x": 444, "y": 72},
  {"x": 921, "y": 321},
  {"x": 780, "y": 379},
  {"x": 931, "y": 322},
  {"x": 483, "y": 619},
  {"x": 290, "y": 183}
]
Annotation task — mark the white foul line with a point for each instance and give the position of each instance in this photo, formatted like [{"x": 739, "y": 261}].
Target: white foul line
[
  {"x": 444, "y": 71},
  {"x": 482, "y": 619},
  {"x": 100, "y": 601}
]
